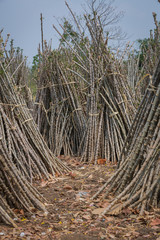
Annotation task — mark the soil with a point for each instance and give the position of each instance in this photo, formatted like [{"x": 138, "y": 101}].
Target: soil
[{"x": 72, "y": 215}]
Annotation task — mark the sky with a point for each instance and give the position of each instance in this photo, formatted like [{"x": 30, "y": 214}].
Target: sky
[{"x": 21, "y": 19}]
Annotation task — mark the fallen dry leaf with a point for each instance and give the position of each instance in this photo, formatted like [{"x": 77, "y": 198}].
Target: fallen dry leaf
[
  {"x": 109, "y": 219},
  {"x": 87, "y": 217},
  {"x": 98, "y": 211},
  {"x": 104, "y": 204},
  {"x": 90, "y": 177},
  {"x": 111, "y": 236},
  {"x": 57, "y": 174},
  {"x": 155, "y": 222},
  {"x": 115, "y": 210},
  {"x": 127, "y": 211},
  {"x": 76, "y": 214},
  {"x": 101, "y": 180},
  {"x": 128, "y": 234},
  {"x": 101, "y": 161},
  {"x": 43, "y": 183},
  {"x": 68, "y": 187},
  {"x": 65, "y": 157},
  {"x": 21, "y": 211},
  {"x": 72, "y": 174}
]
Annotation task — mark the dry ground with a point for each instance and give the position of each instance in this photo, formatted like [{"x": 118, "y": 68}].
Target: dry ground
[{"x": 72, "y": 215}]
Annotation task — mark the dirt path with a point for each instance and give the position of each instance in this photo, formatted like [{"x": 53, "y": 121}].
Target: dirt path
[{"x": 74, "y": 216}]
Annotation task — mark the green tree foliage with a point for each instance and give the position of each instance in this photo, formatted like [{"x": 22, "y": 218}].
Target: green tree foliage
[
  {"x": 149, "y": 48},
  {"x": 35, "y": 63},
  {"x": 147, "y": 45},
  {"x": 69, "y": 34}
]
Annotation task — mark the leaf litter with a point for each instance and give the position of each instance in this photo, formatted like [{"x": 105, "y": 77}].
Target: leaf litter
[{"x": 73, "y": 215}]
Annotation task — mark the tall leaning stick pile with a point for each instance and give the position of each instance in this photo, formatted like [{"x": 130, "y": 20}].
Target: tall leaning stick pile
[
  {"x": 136, "y": 183},
  {"x": 24, "y": 155},
  {"x": 84, "y": 104}
]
